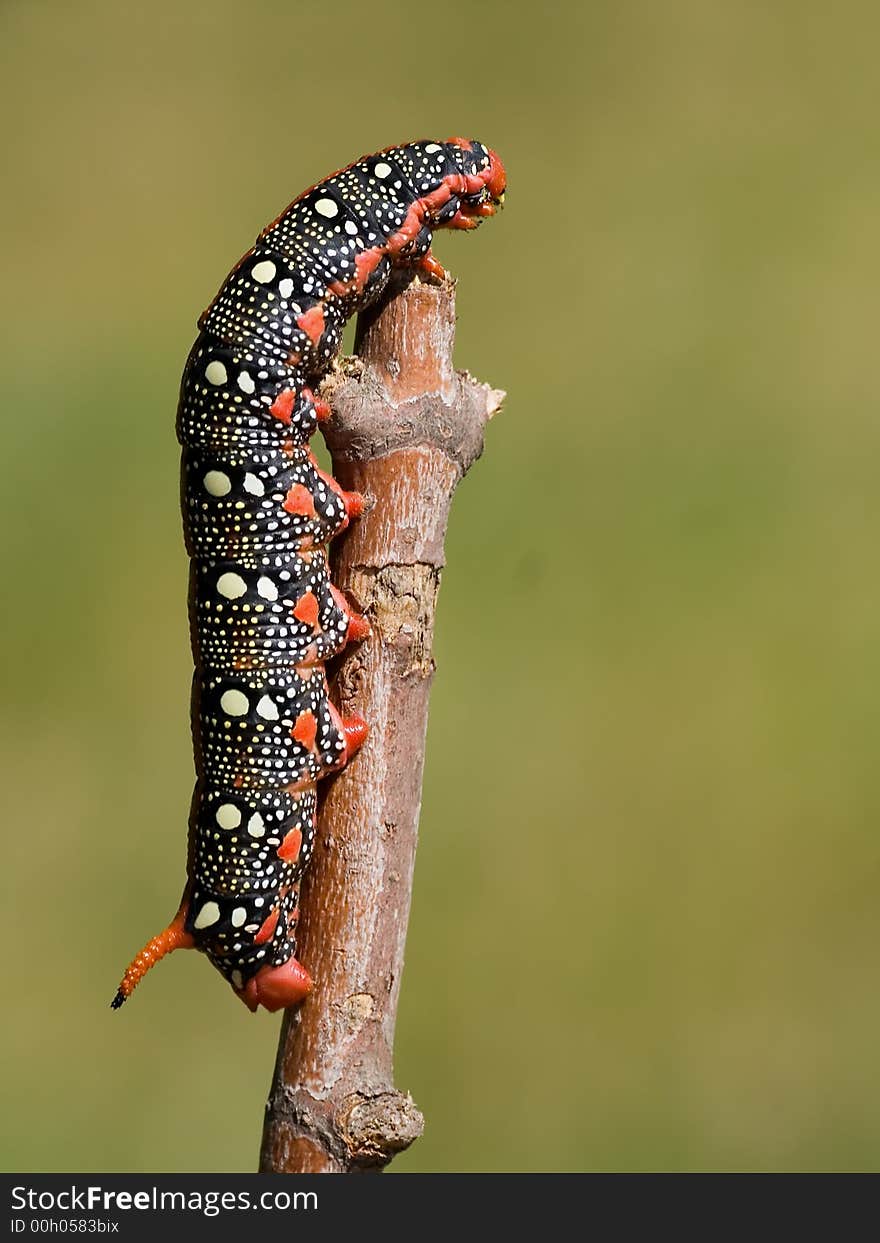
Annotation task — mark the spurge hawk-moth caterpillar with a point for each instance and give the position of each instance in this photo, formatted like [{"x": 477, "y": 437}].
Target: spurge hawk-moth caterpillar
[{"x": 257, "y": 516}]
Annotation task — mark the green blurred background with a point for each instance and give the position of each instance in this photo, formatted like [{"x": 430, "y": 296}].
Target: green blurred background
[{"x": 645, "y": 925}]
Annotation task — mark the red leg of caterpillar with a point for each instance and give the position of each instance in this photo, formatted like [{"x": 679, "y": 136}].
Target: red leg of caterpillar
[
  {"x": 275, "y": 988},
  {"x": 355, "y": 729},
  {"x": 358, "y": 626},
  {"x": 171, "y": 938},
  {"x": 354, "y": 504},
  {"x": 462, "y": 221},
  {"x": 430, "y": 265}
]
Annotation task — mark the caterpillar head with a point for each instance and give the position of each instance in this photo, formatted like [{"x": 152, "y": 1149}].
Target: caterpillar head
[{"x": 485, "y": 175}]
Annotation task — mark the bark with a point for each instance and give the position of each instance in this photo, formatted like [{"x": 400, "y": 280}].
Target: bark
[{"x": 405, "y": 428}]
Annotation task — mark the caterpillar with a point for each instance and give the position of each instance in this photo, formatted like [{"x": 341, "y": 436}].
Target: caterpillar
[{"x": 258, "y": 513}]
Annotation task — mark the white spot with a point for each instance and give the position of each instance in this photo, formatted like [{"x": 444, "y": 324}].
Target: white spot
[
  {"x": 327, "y": 208},
  {"x": 382, "y": 170},
  {"x": 256, "y": 827},
  {"x": 237, "y": 980},
  {"x": 245, "y": 383},
  {"x": 285, "y": 288},
  {"x": 231, "y": 586},
  {"x": 235, "y": 703},
  {"x": 267, "y": 589},
  {"x": 432, "y": 147},
  {"x": 228, "y": 816},
  {"x": 239, "y": 915},
  {"x": 215, "y": 373},
  {"x": 351, "y": 228},
  {"x": 217, "y": 483},
  {"x": 209, "y": 914},
  {"x": 267, "y": 710},
  {"x": 253, "y": 484},
  {"x": 264, "y": 272}
]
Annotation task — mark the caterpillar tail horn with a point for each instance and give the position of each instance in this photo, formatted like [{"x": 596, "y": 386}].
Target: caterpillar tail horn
[{"x": 174, "y": 937}]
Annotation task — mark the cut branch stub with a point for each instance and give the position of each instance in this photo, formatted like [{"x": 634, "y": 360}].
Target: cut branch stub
[{"x": 405, "y": 428}]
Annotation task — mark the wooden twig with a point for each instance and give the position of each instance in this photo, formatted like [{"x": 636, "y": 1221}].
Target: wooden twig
[{"x": 405, "y": 429}]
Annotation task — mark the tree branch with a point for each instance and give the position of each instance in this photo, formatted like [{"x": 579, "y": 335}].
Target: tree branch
[{"x": 405, "y": 428}]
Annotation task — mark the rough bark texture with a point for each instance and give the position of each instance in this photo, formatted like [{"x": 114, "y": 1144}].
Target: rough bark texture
[{"x": 405, "y": 428}]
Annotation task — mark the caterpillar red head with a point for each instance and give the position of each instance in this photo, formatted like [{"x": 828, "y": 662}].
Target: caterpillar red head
[
  {"x": 257, "y": 514},
  {"x": 478, "y": 160}
]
